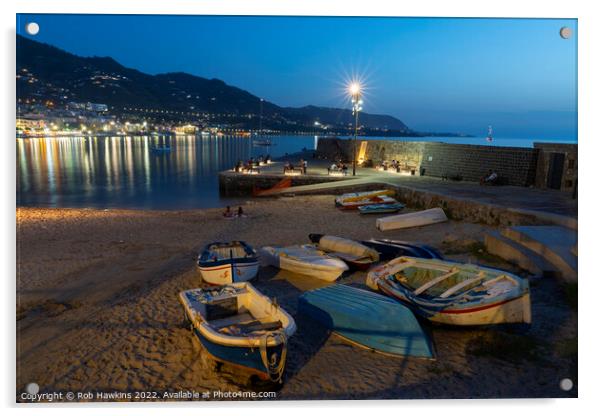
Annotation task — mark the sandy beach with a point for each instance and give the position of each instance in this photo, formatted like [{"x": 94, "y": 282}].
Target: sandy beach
[{"x": 97, "y": 309}]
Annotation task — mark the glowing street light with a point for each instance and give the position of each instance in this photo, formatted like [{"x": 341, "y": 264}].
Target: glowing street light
[{"x": 355, "y": 91}]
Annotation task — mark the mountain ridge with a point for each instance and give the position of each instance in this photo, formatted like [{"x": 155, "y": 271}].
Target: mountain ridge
[{"x": 50, "y": 73}]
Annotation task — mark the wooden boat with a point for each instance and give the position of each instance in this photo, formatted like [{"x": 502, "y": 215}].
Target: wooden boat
[
  {"x": 375, "y": 200},
  {"x": 381, "y": 208},
  {"x": 238, "y": 325},
  {"x": 454, "y": 293},
  {"x": 306, "y": 260},
  {"x": 367, "y": 319},
  {"x": 390, "y": 249},
  {"x": 355, "y": 254},
  {"x": 413, "y": 219},
  {"x": 223, "y": 263}
]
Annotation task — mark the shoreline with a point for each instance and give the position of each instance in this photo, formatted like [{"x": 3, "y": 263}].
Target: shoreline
[{"x": 97, "y": 296}]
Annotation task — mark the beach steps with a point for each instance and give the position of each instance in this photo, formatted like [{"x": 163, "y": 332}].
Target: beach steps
[{"x": 544, "y": 250}]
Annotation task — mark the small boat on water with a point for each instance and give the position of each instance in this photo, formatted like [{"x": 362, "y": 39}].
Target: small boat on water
[
  {"x": 413, "y": 219},
  {"x": 367, "y": 319},
  {"x": 453, "y": 293},
  {"x": 223, "y": 263},
  {"x": 391, "y": 249},
  {"x": 238, "y": 325},
  {"x": 381, "y": 208},
  {"x": 355, "y": 254},
  {"x": 306, "y": 260}
]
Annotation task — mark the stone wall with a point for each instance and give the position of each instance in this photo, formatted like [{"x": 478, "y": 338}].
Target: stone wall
[
  {"x": 569, "y": 170},
  {"x": 233, "y": 184},
  {"x": 516, "y": 165}
]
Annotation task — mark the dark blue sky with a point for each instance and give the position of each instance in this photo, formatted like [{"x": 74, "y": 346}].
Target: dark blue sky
[{"x": 456, "y": 75}]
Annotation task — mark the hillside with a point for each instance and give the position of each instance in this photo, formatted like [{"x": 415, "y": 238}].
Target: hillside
[{"x": 45, "y": 72}]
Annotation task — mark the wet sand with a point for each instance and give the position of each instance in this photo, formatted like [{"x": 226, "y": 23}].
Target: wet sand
[{"x": 98, "y": 311}]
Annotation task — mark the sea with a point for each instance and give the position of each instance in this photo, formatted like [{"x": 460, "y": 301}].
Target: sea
[{"x": 125, "y": 172}]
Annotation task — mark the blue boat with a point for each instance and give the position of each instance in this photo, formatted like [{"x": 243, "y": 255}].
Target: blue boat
[
  {"x": 223, "y": 263},
  {"x": 368, "y": 319},
  {"x": 239, "y": 326},
  {"x": 381, "y": 208}
]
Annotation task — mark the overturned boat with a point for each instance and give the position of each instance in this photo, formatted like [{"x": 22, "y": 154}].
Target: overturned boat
[
  {"x": 413, "y": 219},
  {"x": 223, "y": 263},
  {"x": 239, "y": 326},
  {"x": 390, "y": 249},
  {"x": 306, "y": 260},
  {"x": 355, "y": 254},
  {"x": 454, "y": 293},
  {"x": 367, "y": 319}
]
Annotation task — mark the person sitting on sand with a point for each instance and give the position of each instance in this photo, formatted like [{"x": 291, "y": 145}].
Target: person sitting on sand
[
  {"x": 228, "y": 212},
  {"x": 240, "y": 212}
]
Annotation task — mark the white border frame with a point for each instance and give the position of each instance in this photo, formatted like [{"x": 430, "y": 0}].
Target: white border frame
[{"x": 589, "y": 92}]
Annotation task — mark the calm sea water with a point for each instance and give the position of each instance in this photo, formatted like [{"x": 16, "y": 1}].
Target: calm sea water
[{"x": 124, "y": 172}]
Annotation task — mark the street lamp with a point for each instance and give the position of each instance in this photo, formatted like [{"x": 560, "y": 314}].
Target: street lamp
[{"x": 355, "y": 91}]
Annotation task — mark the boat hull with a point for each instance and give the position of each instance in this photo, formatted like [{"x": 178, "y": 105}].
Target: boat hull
[
  {"x": 245, "y": 359},
  {"x": 228, "y": 273},
  {"x": 380, "y": 208},
  {"x": 323, "y": 268},
  {"x": 413, "y": 219},
  {"x": 368, "y": 319},
  {"x": 482, "y": 296},
  {"x": 509, "y": 311}
]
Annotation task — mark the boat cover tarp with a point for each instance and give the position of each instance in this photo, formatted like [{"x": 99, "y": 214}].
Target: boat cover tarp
[
  {"x": 367, "y": 318},
  {"x": 343, "y": 245}
]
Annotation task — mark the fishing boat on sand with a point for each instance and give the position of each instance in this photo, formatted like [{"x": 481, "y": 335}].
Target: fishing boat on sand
[
  {"x": 367, "y": 319},
  {"x": 453, "y": 293},
  {"x": 241, "y": 327},
  {"x": 357, "y": 199},
  {"x": 381, "y": 208},
  {"x": 223, "y": 263},
  {"x": 355, "y": 254},
  {"x": 413, "y": 219},
  {"x": 306, "y": 260}
]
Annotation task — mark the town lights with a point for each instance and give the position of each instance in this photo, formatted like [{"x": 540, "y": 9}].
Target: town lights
[{"x": 355, "y": 91}]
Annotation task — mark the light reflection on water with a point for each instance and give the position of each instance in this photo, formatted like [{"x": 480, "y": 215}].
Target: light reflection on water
[{"x": 125, "y": 172}]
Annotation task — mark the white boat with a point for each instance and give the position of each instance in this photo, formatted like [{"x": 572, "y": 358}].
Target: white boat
[
  {"x": 454, "y": 293},
  {"x": 489, "y": 137},
  {"x": 305, "y": 260},
  {"x": 413, "y": 219},
  {"x": 223, "y": 263},
  {"x": 238, "y": 325}
]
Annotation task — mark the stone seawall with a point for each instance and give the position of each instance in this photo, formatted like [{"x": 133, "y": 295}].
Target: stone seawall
[
  {"x": 516, "y": 165},
  {"x": 233, "y": 184}
]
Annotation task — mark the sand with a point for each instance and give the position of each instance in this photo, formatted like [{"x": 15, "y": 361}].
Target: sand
[{"x": 97, "y": 310}]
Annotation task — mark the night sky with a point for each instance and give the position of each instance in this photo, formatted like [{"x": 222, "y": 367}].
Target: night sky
[{"x": 452, "y": 75}]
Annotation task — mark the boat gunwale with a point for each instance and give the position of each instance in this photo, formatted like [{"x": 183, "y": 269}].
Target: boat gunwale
[{"x": 205, "y": 328}]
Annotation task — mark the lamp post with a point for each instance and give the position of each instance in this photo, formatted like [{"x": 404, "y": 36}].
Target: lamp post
[{"x": 355, "y": 90}]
